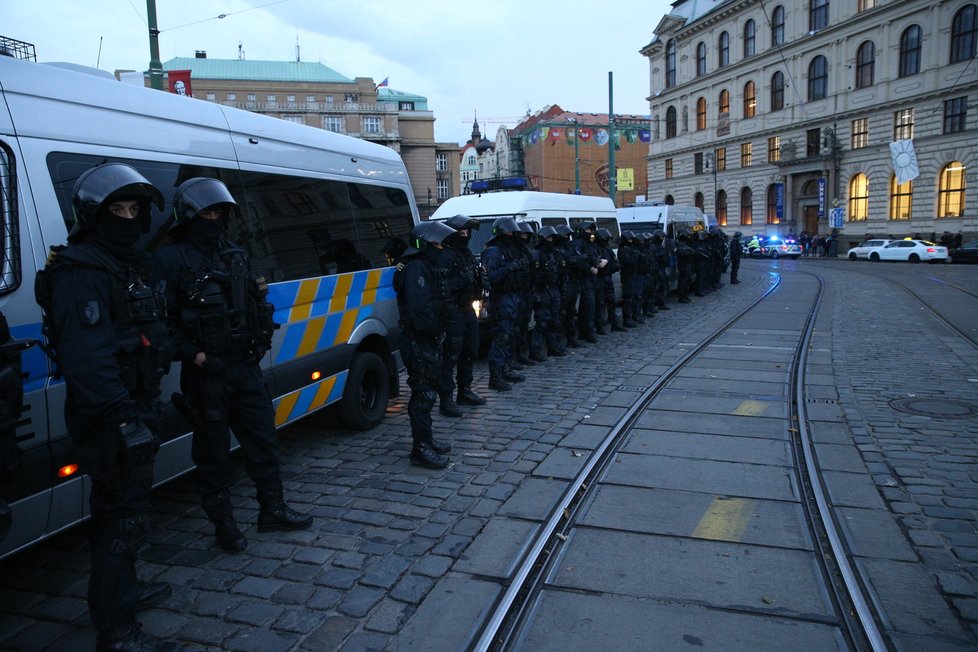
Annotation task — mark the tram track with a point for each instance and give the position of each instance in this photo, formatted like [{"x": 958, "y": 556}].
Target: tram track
[{"x": 854, "y": 615}]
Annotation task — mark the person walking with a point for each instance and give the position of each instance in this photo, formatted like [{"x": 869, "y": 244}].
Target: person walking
[{"x": 736, "y": 251}]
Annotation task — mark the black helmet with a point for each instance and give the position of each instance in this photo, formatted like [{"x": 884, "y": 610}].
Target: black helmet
[
  {"x": 505, "y": 225},
  {"x": 564, "y": 230},
  {"x": 432, "y": 232},
  {"x": 113, "y": 181},
  {"x": 585, "y": 225},
  {"x": 627, "y": 235},
  {"x": 547, "y": 232},
  {"x": 659, "y": 233},
  {"x": 604, "y": 234},
  {"x": 737, "y": 234},
  {"x": 459, "y": 222},
  {"x": 200, "y": 194},
  {"x": 525, "y": 227}
]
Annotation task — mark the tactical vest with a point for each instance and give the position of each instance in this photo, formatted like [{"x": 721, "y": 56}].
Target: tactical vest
[{"x": 138, "y": 315}]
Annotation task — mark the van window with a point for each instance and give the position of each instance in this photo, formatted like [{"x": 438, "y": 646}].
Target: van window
[
  {"x": 553, "y": 221},
  {"x": 643, "y": 227},
  {"x": 610, "y": 223},
  {"x": 10, "y": 224}
]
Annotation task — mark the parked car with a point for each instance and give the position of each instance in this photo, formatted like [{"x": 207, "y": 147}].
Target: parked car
[
  {"x": 774, "y": 246},
  {"x": 966, "y": 253},
  {"x": 912, "y": 251},
  {"x": 863, "y": 250}
]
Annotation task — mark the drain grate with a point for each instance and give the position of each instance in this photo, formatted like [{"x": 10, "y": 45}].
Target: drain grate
[{"x": 943, "y": 408}]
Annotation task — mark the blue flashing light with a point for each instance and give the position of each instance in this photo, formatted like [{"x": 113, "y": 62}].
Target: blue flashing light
[
  {"x": 774, "y": 238},
  {"x": 479, "y": 186}
]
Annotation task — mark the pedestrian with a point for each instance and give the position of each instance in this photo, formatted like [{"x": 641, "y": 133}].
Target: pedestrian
[
  {"x": 106, "y": 327},
  {"x": 736, "y": 251},
  {"x": 423, "y": 298},
  {"x": 222, "y": 325},
  {"x": 957, "y": 240}
]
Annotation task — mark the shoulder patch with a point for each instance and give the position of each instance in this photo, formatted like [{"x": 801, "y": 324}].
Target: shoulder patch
[
  {"x": 89, "y": 312},
  {"x": 420, "y": 281}
]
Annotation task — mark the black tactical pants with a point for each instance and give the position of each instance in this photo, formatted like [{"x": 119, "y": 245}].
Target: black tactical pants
[
  {"x": 422, "y": 357},
  {"x": 470, "y": 347},
  {"x": 451, "y": 351}
]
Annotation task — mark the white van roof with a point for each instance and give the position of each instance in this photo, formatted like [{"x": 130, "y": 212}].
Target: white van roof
[{"x": 518, "y": 202}]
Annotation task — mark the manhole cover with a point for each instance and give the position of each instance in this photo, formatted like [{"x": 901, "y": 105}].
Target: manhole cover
[{"x": 939, "y": 408}]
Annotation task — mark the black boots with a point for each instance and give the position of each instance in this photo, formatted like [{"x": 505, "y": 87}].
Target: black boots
[
  {"x": 447, "y": 407},
  {"x": 130, "y": 638},
  {"x": 151, "y": 594},
  {"x": 468, "y": 397},
  {"x": 218, "y": 509},
  {"x": 440, "y": 447},
  {"x": 274, "y": 514},
  {"x": 497, "y": 382},
  {"x": 424, "y": 454},
  {"x": 513, "y": 376}
]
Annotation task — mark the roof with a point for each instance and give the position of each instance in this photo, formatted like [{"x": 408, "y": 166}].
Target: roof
[
  {"x": 387, "y": 94},
  {"x": 242, "y": 69},
  {"x": 520, "y": 201}
]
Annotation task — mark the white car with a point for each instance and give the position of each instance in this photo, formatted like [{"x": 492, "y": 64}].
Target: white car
[
  {"x": 913, "y": 251},
  {"x": 863, "y": 250}
]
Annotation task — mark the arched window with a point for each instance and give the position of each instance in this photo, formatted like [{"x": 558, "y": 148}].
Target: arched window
[
  {"x": 777, "y": 91},
  {"x": 750, "y": 38},
  {"x": 818, "y": 79},
  {"x": 910, "y": 48},
  {"x": 723, "y": 50},
  {"x": 950, "y": 192},
  {"x": 746, "y": 206},
  {"x": 723, "y": 105},
  {"x": 858, "y": 198},
  {"x": 671, "y": 63},
  {"x": 772, "y": 204},
  {"x": 671, "y": 122},
  {"x": 865, "y": 64},
  {"x": 777, "y": 26},
  {"x": 698, "y": 200},
  {"x": 701, "y": 114},
  {"x": 901, "y": 199},
  {"x": 721, "y": 206},
  {"x": 700, "y": 59},
  {"x": 818, "y": 15},
  {"x": 750, "y": 100},
  {"x": 964, "y": 34}
]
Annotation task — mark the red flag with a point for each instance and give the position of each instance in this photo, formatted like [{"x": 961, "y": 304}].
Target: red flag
[
  {"x": 179, "y": 81},
  {"x": 556, "y": 133},
  {"x": 585, "y": 134}
]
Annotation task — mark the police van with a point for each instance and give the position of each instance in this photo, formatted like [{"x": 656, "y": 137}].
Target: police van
[
  {"x": 318, "y": 211},
  {"x": 648, "y": 217}
]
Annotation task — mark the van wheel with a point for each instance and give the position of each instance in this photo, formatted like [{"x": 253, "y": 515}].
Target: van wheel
[{"x": 365, "y": 396}]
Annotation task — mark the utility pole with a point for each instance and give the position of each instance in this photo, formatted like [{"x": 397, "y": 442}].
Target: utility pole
[
  {"x": 612, "y": 171},
  {"x": 577, "y": 162},
  {"x": 155, "y": 65}
]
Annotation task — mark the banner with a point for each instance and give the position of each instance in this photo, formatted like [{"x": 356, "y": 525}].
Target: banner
[
  {"x": 821, "y": 197},
  {"x": 585, "y": 134},
  {"x": 555, "y": 134},
  {"x": 645, "y": 136},
  {"x": 601, "y": 137},
  {"x": 904, "y": 161},
  {"x": 179, "y": 81}
]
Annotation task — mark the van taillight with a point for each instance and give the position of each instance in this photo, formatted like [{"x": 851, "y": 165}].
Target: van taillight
[{"x": 67, "y": 470}]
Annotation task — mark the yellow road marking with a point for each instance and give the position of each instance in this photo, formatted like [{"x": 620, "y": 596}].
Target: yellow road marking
[
  {"x": 725, "y": 519},
  {"x": 751, "y": 408}
]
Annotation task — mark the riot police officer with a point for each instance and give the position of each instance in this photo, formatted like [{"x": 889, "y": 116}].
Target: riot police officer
[
  {"x": 423, "y": 299},
  {"x": 548, "y": 332},
  {"x": 222, "y": 325},
  {"x": 107, "y": 329},
  {"x": 736, "y": 252},
  {"x": 506, "y": 268},
  {"x": 684, "y": 266},
  {"x": 605, "y": 311},
  {"x": 587, "y": 249}
]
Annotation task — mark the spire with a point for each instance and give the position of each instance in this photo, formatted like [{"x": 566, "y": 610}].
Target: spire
[{"x": 476, "y": 134}]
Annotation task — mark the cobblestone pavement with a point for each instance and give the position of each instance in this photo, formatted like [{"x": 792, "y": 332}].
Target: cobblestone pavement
[{"x": 386, "y": 532}]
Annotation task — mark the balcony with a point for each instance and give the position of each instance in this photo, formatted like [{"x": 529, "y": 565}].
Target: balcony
[{"x": 314, "y": 107}]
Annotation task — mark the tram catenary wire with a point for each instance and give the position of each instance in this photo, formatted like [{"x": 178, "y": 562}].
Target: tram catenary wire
[{"x": 503, "y": 628}]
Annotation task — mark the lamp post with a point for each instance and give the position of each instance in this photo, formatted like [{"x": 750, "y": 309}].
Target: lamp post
[{"x": 577, "y": 159}]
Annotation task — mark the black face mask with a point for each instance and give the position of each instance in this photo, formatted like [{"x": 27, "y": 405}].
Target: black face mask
[
  {"x": 118, "y": 231},
  {"x": 205, "y": 231}
]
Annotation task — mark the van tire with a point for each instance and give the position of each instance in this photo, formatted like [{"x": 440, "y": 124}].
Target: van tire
[{"x": 365, "y": 396}]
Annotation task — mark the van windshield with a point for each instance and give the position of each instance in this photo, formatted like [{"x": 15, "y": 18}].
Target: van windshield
[{"x": 643, "y": 227}]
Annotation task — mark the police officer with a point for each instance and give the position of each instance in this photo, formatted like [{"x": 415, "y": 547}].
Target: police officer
[
  {"x": 527, "y": 292},
  {"x": 222, "y": 325},
  {"x": 572, "y": 266},
  {"x": 423, "y": 299},
  {"x": 587, "y": 249},
  {"x": 506, "y": 269},
  {"x": 107, "y": 328},
  {"x": 548, "y": 332},
  {"x": 663, "y": 254},
  {"x": 684, "y": 257},
  {"x": 605, "y": 312},
  {"x": 736, "y": 251}
]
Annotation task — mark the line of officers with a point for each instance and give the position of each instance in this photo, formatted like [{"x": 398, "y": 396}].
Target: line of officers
[{"x": 559, "y": 279}]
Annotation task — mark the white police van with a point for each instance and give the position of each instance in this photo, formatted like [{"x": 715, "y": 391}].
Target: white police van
[
  {"x": 318, "y": 212},
  {"x": 648, "y": 217}
]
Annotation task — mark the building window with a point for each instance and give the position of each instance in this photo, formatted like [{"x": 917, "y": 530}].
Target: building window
[
  {"x": 813, "y": 142},
  {"x": 333, "y": 123},
  {"x": 860, "y": 133},
  {"x": 865, "y": 64},
  {"x": 698, "y": 163},
  {"x": 668, "y": 172},
  {"x": 291, "y": 117},
  {"x": 859, "y": 198},
  {"x": 818, "y": 79},
  {"x": 700, "y": 59},
  {"x": 720, "y": 156},
  {"x": 701, "y": 114},
  {"x": 232, "y": 97},
  {"x": 772, "y": 204},
  {"x": 777, "y": 91},
  {"x": 723, "y": 105},
  {"x": 745, "y": 155},
  {"x": 863, "y": 5},
  {"x": 405, "y": 106},
  {"x": 774, "y": 149},
  {"x": 955, "y": 115},
  {"x": 698, "y": 200},
  {"x": 310, "y": 99},
  {"x": 721, "y": 207},
  {"x": 746, "y": 206},
  {"x": 671, "y": 63},
  {"x": 290, "y": 101},
  {"x": 371, "y": 124},
  {"x": 441, "y": 162},
  {"x": 271, "y": 99},
  {"x": 818, "y": 15},
  {"x": 750, "y": 38},
  {"x": 671, "y": 122},
  {"x": 351, "y": 98},
  {"x": 901, "y": 199},
  {"x": 442, "y": 188},
  {"x": 470, "y": 160},
  {"x": 950, "y": 194},
  {"x": 252, "y": 98},
  {"x": 211, "y": 97},
  {"x": 903, "y": 124},
  {"x": 910, "y": 48},
  {"x": 964, "y": 34},
  {"x": 777, "y": 26},
  {"x": 750, "y": 100},
  {"x": 723, "y": 50},
  {"x": 329, "y": 100}
]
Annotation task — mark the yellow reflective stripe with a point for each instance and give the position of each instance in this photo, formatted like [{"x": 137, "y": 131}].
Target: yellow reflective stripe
[
  {"x": 725, "y": 519},
  {"x": 310, "y": 337},
  {"x": 751, "y": 409},
  {"x": 304, "y": 299},
  {"x": 346, "y": 326},
  {"x": 322, "y": 393},
  {"x": 370, "y": 290},
  {"x": 285, "y": 407},
  {"x": 338, "y": 302}
]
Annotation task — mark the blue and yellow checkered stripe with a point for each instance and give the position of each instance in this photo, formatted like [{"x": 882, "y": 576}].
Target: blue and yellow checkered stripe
[{"x": 303, "y": 401}]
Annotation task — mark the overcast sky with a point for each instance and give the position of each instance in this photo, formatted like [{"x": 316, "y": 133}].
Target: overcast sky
[{"x": 500, "y": 58}]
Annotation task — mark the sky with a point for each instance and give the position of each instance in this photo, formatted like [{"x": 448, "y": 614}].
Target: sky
[{"x": 497, "y": 60}]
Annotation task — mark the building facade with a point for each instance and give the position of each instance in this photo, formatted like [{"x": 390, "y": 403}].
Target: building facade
[{"x": 770, "y": 115}]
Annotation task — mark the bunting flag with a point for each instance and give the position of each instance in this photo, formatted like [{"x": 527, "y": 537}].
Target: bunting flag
[
  {"x": 601, "y": 137},
  {"x": 555, "y": 134},
  {"x": 645, "y": 136},
  {"x": 534, "y": 137},
  {"x": 179, "y": 82},
  {"x": 543, "y": 132},
  {"x": 584, "y": 134},
  {"x": 631, "y": 135}
]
